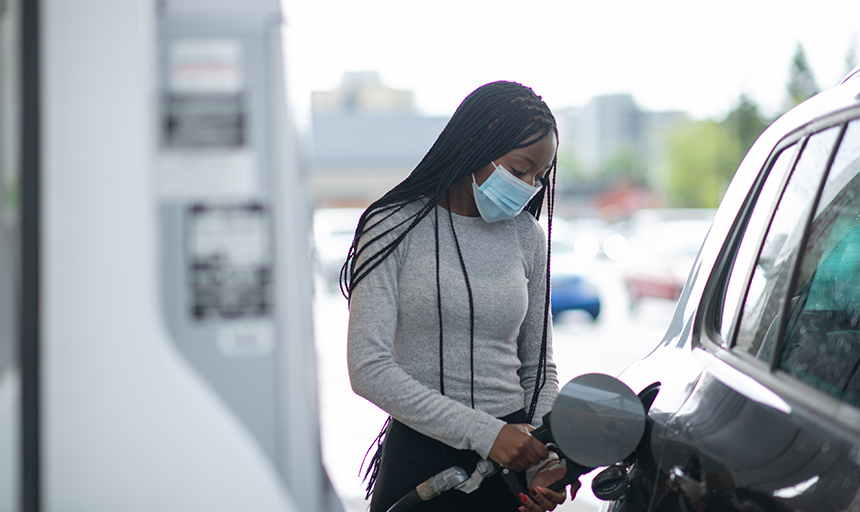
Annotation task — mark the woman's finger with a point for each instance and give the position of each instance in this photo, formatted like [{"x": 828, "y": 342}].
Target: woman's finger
[
  {"x": 541, "y": 505},
  {"x": 531, "y": 506},
  {"x": 574, "y": 486},
  {"x": 547, "y": 498}
]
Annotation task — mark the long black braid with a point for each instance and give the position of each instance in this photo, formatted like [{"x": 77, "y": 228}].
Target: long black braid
[{"x": 494, "y": 119}]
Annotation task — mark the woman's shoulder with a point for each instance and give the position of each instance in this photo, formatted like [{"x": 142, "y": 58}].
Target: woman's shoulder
[
  {"x": 390, "y": 221},
  {"x": 529, "y": 228}
]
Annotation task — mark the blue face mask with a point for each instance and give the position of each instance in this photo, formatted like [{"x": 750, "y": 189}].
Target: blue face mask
[{"x": 502, "y": 196}]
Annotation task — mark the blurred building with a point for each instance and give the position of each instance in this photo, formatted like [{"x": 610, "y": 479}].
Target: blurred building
[
  {"x": 617, "y": 148},
  {"x": 612, "y": 124},
  {"x": 366, "y": 138},
  {"x": 362, "y": 91}
]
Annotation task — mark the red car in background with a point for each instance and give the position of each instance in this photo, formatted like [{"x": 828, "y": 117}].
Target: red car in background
[{"x": 662, "y": 245}]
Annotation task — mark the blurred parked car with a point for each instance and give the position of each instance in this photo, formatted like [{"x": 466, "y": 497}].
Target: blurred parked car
[
  {"x": 757, "y": 404},
  {"x": 573, "y": 291},
  {"x": 569, "y": 288},
  {"x": 333, "y": 231},
  {"x": 661, "y": 250}
]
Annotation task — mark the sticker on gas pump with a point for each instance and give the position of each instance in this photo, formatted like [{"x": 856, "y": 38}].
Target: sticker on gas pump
[
  {"x": 204, "y": 121},
  {"x": 246, "y": 339},
  {"x": 206, "y": 66},
  {"x": 204, "y": 106},
  {"x": 229, "y": 261}
]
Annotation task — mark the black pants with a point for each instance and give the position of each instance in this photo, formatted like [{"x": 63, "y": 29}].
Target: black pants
[{"x": 409, "y": 458}]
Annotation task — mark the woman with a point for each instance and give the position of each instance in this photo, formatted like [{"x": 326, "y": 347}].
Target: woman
[{"x": 449, "y": 328}]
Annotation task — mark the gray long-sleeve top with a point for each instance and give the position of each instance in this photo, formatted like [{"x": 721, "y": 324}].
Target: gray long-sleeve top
[{"x": 393, "y": 344}]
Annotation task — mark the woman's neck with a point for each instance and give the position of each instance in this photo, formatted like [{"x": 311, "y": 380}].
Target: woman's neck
[{"x": 460, "y": 199}]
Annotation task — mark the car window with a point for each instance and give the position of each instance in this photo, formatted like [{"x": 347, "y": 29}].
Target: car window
[
  {"x": 767, "y": 288},
  {"x": 748, "y": 249},
  {"x": 822, "y": 340}
]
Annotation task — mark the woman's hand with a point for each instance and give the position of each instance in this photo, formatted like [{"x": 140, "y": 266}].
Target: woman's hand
[
  {"x": 516, "y": 449},
  {"x": 542, "y": 498}
]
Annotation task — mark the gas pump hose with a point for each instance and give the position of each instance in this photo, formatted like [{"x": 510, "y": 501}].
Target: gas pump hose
[{"x": 446, "y": 480}]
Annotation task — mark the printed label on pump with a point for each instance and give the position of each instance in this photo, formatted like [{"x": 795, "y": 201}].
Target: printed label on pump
[
  {"x": 205, "y": 102},
  {"x": 229, "y": 261},
  {"x": 246, "y": 339},
  {"x": 205, "y": 149},
  {"x": 208, "y": 66}
]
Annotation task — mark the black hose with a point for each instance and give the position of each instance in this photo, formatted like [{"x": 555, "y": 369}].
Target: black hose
[
  {"x": 407, "y": 502},
  {"x": 441, "y": 482}
]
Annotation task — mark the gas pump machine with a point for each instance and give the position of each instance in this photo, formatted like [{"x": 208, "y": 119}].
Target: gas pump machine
[{"x": 153, "y": 262}]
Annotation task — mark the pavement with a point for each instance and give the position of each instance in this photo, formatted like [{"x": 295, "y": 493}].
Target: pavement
[{"x": 349, "y": 423}]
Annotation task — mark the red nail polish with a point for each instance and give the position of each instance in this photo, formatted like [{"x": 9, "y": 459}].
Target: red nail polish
[
  {"x": 533, "y": 492},
  {"x": 524, "y": 498}
]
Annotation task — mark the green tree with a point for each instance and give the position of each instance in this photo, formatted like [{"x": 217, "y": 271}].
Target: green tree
[
  {"x": 568, "y": 166},
  {"x": 703, "y": 157},
  {"x": 625, "y": 165},
  {"x": 801, "y": 82},
  {"x": 745, "y": 122}
]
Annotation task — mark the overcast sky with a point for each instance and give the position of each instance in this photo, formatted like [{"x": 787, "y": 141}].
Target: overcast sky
[{"x": 669, "y": 54}]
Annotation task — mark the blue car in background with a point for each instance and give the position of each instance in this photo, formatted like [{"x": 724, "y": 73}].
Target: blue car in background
[{"x": 570, "y": 290}]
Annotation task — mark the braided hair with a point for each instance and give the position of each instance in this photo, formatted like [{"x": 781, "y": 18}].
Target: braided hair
[{"x": 493, "y": 120}]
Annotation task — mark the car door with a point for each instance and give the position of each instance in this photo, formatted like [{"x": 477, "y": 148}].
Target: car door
[{"x": 773, "y": 422}]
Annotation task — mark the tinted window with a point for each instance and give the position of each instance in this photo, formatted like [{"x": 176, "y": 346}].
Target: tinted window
[
  {"x": 822, "y": 341},
  {"x": 748, "y": 249},
  {"x": 768, "y": 287}
]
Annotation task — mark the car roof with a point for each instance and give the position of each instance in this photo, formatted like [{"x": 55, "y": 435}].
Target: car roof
[
  {"x": 853, "y": 74},
  {"x": 824, "y": 104}
]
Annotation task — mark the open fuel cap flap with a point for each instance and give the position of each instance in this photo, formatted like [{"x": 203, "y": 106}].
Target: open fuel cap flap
[{"x": 597, "y": 420}]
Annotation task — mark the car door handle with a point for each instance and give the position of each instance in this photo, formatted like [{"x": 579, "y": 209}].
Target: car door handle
[{"x": 692, "y": 490}]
